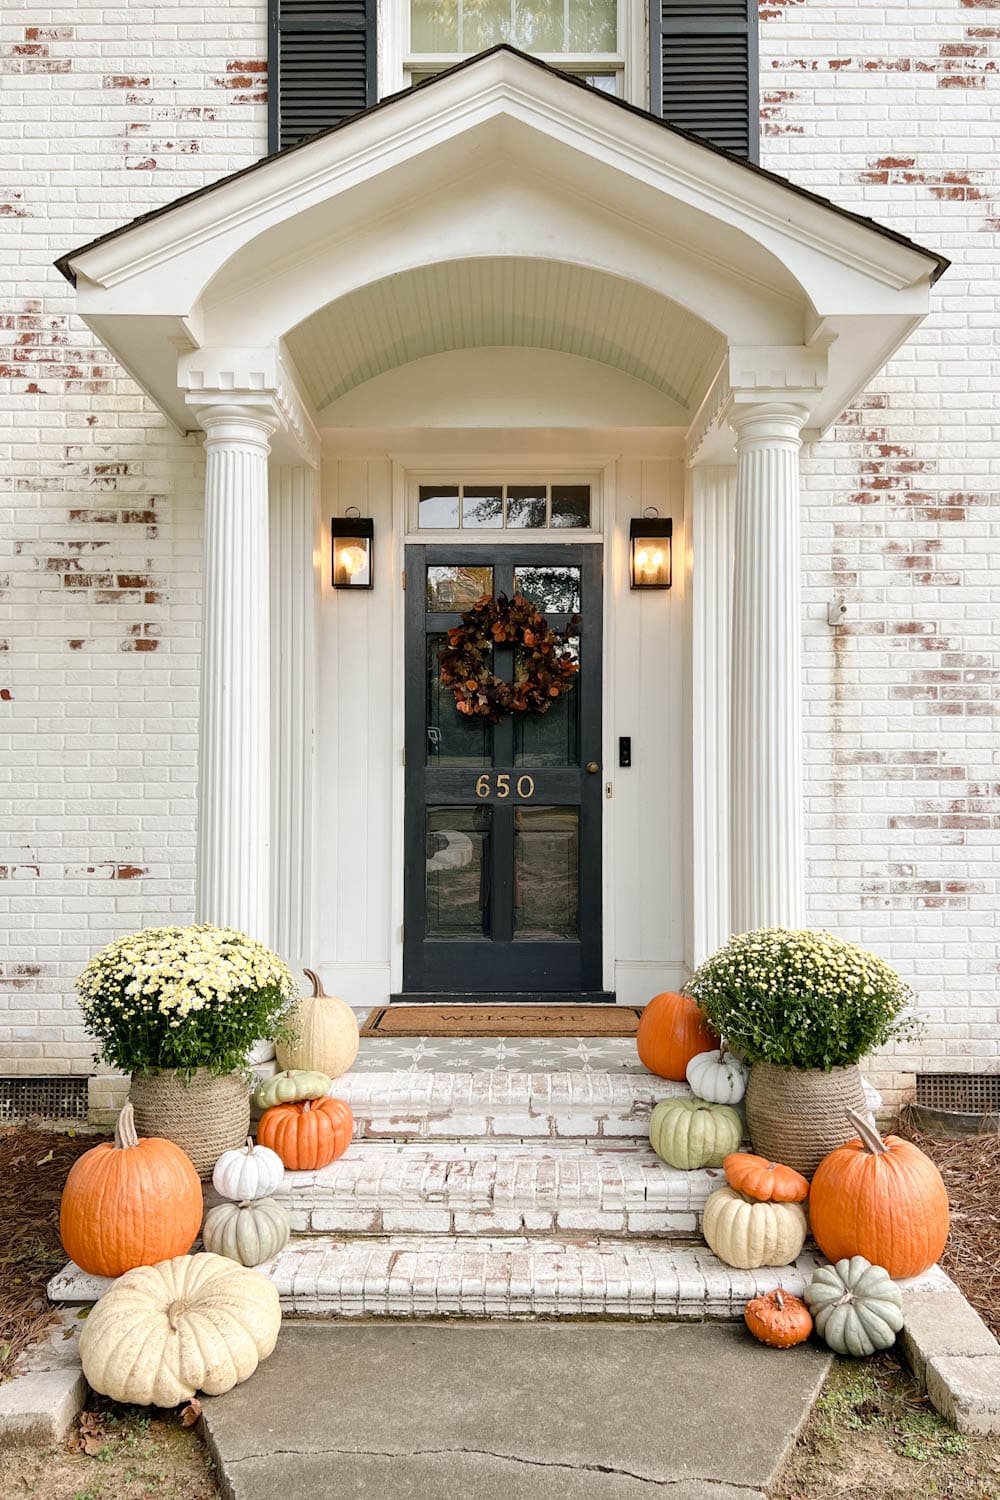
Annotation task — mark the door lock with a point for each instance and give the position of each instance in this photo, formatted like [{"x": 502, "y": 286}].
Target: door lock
[{"x": 593, "y": 767}]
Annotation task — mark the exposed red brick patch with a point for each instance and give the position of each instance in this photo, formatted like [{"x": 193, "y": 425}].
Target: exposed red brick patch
[
  {"x": 124, "y": 81},
  {"x": 129, "y": 872},
  {"x": 6, "y": 696}
]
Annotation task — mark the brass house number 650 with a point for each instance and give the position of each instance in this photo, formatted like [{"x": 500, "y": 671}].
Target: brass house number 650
[{"x": 525, "y": 786}]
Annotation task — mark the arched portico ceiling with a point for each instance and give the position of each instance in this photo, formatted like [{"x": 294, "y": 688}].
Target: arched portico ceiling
[
  {"x": 489, "y": 302},
  {"x": 504, "y": 158}
]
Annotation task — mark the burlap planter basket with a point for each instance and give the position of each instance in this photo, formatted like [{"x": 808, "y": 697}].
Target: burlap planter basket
[
  {"x": 205, "y": 1117},
  {"x": 798, "y": 1115}
]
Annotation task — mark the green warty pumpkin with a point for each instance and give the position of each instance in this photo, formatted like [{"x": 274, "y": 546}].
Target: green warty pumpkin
[
  {"x": 291, "y": 1087},
  {"x": 857, "y": 1307},
  {"x": 690, "y": 1133},
  {"x": 248, "y": 1233}
]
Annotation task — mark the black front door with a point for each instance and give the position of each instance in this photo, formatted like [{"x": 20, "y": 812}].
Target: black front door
[{"x": 503, "y": 822}]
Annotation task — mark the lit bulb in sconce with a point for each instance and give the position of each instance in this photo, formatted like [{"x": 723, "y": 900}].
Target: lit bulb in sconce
[
  {"x": 352, "y": 559},
  {"x": 649, "y": 560}
]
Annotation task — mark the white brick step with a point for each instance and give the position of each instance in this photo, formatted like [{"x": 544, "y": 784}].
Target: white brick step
[
  {"x": 498, "y": 1105},
  {"x": 480, "y": 1187},
  {"x": 426, "y": 1276}
]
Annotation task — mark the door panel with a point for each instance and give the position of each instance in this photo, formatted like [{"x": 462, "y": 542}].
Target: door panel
[{"x": 502, "y": 873}]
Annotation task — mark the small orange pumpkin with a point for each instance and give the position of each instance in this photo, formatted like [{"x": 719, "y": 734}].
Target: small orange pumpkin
[
  {"x": 778, "y": 1319},
  {"x": 129, "y": 1203},
  {"x": 307, "y": 1135},
  {"x": 766, "y": 1181},
  {"x": 672, "y": 1030},
  {"x": 883, "y": 1199}
]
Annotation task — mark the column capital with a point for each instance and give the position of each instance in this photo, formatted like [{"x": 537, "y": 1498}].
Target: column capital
[
  {"x": 766, "y": 423},
  {"x": 261, "y": 381},
  {"x": 249, "y": 424}
]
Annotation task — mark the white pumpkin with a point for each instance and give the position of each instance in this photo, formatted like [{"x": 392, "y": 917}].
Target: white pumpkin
[
  {"x": 327, "y": 1031},
  {"x": 248, "y": 1233},
  {"x": 745, "y": 1233},
  {"x": 195, "y": 1323},
  {"x": 247, "y": 1172},
  {"x": 718, "y": 1077}
]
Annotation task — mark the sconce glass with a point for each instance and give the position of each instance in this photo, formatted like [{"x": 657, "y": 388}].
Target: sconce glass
[
  {"x": 651, "y": 560},
  {"x": 353, "y": 550}
]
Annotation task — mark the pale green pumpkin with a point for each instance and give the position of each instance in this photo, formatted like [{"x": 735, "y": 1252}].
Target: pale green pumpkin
[
  {"x": 690, "y": 1133},
  {"x": 291, "y": 1087},
  {"x": 248, "y": 1233},
  {"x": 857, "y": 1307}
]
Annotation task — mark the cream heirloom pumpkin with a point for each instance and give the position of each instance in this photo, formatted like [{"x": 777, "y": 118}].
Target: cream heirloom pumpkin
[
  {"x": 748, "y": 1234},
  {"x": 195, "y": 1323},
  {"x": 328, "y": 1033}
]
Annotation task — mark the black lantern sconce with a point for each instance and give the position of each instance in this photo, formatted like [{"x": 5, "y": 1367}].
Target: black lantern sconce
[
  {"x": 651, "y": 559},
  {"x": 353, "y": 539}
]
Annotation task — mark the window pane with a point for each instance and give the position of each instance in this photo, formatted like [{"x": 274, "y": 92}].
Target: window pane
[
  {"x": 555, "y": 590},
  {"x": 482, "y": 507},
  {"x": 546, "y": 872},
  {"x": 434, "y": 26},
  {"x": 552, "y": 738},
  {"x": 456, "y": 587},
  {"x": 453, "y": 739},
  {"x": 457, "y": 867},
  {"x": 570, "y": 505},
  {"x": 526, "y": 505},
  {"x": 438, "y": 506},
  {"x": 534, "y": 25}
]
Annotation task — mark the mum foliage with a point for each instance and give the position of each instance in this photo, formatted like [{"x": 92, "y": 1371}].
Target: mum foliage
[
  {"x": 802, "y": 999},
  {"x": 180, "y": 998}
]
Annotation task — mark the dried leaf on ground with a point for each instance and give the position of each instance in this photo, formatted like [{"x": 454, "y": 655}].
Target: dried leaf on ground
[{"x": 191, "y": 1412}]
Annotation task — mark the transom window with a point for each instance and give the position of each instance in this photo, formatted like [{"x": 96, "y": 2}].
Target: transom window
[
  {"x": 503, "y": 507},
  {"x": 581, "y": 36}
]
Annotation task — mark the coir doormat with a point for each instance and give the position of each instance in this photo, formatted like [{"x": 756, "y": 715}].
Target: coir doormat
[{"x": 502, "y": 1020}]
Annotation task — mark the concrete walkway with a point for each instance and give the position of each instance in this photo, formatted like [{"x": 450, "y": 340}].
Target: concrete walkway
[{"x": 512, "y": 1411}]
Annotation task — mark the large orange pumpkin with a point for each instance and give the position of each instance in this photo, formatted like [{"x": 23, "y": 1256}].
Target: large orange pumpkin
[
  {"x": 883, "y": 1199},
  {"x": 308, "y": 1135},
  {"x": 130, "y": 1203},
  {"x": 672, "y": 1030}
]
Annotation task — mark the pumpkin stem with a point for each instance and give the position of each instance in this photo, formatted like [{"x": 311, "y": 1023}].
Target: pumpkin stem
[
  {"x": 250, "y": 1145},
  {"x": 174, "y": 1311},
  {"x": 873, "y": 1142},
  {"x": 317, "y": 983},
  {"x": 306, "y": 1106},
  {"x": 126, "y": 1134},
  {"x": 779, "y": 1300}
]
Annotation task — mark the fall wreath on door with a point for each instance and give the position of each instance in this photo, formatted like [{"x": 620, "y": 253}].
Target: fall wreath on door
[{"x": 547, "y": 664}]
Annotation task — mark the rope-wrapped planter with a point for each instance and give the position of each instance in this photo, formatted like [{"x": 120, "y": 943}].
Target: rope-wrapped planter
[
  {"x": 205, "y": 1116},
  {"x": 798, "y": 1115}
]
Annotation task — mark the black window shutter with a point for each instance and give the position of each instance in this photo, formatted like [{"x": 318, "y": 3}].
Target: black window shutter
[
  {"x": 703, "y": 56},
  {"x": 320, "y": 65}
]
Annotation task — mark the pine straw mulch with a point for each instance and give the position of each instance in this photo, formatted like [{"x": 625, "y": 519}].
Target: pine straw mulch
[
  {"x": 33, "y": 1168},
  {"x": 970, "y": 1166}
]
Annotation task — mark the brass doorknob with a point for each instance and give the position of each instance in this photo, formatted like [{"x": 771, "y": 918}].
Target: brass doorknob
[{"x": 593, "y": 767}]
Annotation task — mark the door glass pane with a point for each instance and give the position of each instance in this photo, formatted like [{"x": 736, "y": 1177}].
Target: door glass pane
[
  {"x": 552, "y": 738},
  {"x": 457, "y": 865},
  {"x": 453, "y": 739},
  {"x": 438, "y": 506},
  {"x": 570, "y": 505},
  {"x": 555, "y": 590},
  {"x": 455, "y": 587},
  {"x": 525, "y": 505},
  {"x": 482, "y": 507},
  {"x": 546, "y": 872}
]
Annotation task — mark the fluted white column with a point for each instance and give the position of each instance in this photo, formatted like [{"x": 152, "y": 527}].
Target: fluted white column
[
  {"x": 712, "y": 518},
  {"x": 766, "y": 733},
  {"x": 294, "y": 599},
  {"x": 234, "y": 744}
]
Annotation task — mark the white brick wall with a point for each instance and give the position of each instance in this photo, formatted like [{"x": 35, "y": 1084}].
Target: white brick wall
[
  {"x": 108, "y": 111},
  {"x": 111, "y": 110},
  {"x": 892, "y": 111}
]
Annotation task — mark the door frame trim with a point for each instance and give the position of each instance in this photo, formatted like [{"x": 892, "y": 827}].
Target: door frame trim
[{"x": 601, "y": 470}]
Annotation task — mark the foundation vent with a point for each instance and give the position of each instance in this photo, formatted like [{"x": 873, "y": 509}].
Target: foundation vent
[
  {"x": 42, "y": 1098},
  {"x": 958, "y": 1103}
]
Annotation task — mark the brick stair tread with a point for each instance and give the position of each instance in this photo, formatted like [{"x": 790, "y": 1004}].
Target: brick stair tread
[
  {"x": 438, "y": 1275},
  {"x": 504, "y": 1187},
  {"x": 399, "y": 1104}
]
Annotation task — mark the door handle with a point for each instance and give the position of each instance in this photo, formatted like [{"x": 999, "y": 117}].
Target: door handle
[{"x": 593, "y": 767}]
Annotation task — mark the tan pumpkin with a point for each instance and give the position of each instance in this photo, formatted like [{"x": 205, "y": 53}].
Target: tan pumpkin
[
  {"x": 327, "y": 1029},
  {"x": 748, "y": 1234},
  {"x": 194, "y": 1323}
]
